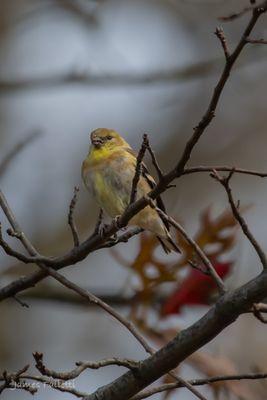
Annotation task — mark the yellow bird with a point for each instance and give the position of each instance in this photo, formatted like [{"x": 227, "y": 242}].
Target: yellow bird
[{"x": 108, "y": 173}]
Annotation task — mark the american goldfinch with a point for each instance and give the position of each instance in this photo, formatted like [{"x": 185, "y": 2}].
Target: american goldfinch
[{"x": 108, "y": 173}]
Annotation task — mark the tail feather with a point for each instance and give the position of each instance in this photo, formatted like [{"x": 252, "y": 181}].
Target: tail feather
[{"x": 168, "y": 244}]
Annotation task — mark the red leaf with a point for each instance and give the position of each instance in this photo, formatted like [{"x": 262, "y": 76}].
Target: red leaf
[{"x": 196, "y": 289}]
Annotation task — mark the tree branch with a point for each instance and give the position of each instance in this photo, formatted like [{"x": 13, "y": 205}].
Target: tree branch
[
  {"x": 82, "y": 366},
  {"x": 199, "y": 382},
  {"x": 209, "y": 267},
  {"x": 221, "y": 315},
  {"x": 138, "y": 169},
  {"x": 71, "y": 222},
  {"x": 225, "y": 182},
  {"x": 223, "y": 168},
  {"x": 5, "y": 163}
]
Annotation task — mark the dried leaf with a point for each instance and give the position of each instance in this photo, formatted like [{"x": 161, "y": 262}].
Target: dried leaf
[{"x": 215, "y": 236}]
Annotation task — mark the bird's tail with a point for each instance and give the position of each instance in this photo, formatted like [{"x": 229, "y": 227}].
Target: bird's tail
[{"x": 168, "y": 244}]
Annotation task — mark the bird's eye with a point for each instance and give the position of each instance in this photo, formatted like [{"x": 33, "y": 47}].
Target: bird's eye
[{"x": 109, "y": 137}]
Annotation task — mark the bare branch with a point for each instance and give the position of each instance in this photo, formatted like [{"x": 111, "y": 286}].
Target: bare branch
[
  {"x": 210, "y": 113},
  {"x": 11, "y": 381},
  {"x": 225, "y": 183},
  {"x": 86, "y": 78},
  {"x": 256, "y": 41},
  {"x": 71, "y": 222},
  {"x": 223, "y": 168},
  {"x": 236, "y": 15},
  {"x": 221, "y": 36},
  {"x": 186, "y": 342},
  {"x": 82, "y": 366},
  {"x": 209, "y": 267},
  {"x": 138, "y": 169},
  {"x": 154, "y": 161},
  {"x": 82, "y": 292},
  {"x": 4, "y": 164},
  {"x": 199, "y": 382}
]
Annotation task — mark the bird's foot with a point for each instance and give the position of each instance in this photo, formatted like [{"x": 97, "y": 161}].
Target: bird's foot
[
  {"x": 116, "y": 221},
  {"x": 103, "y": 229}
]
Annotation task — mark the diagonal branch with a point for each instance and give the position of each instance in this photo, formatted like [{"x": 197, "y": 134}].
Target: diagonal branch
[
  {"x": 221, "y": 315},
  {"x": 138, "y": 169},
  {"x": 225, "y": 182},
  {"x": 71, "y": 222},
  {"x": 199, "y": 382},
  {"x": 6, "y": 161},
  {"x": 209, "y": 267}
]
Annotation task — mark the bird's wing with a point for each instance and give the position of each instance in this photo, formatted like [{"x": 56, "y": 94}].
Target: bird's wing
[{"x": 151, "y": 182}]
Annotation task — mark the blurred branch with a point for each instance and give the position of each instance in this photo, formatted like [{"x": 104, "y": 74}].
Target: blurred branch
[
  {"x": 74, "y": 8},
  {"x": 66, "y": 297},
  {"x": 238, "y": 14},
  {"x": 256, "y": 41},
  {"x": 182, "y": 74},
  {"x": 9, "y": 157}
]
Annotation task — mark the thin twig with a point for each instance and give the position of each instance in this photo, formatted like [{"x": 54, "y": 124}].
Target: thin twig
[
  {"x": 154, "y": 161},
  {"x": 210, "y": 113},
  {"x": 223, "y": 168},
  {"x": 198, "y": 382},
  {"x": 138, "y": 169},
  {"x": 209, "y": 267},
  {"x": 21, "y": 302},
  {"x": 82, "y": 366},
  {"x": 238, "y": 14},
  {"x": 225, "y": 182},
  {"x": 71, "y": 221},
  {"x": 256, "y": 41},
  {"x": 12, "y": 380},
  {"x": 221, "y": 36}
]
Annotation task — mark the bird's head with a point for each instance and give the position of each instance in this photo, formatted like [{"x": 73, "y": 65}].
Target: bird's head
[{"x": 107, "y": 139}]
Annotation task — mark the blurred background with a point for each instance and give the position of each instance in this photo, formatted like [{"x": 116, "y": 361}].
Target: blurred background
[{"x": 68, "y": 67}]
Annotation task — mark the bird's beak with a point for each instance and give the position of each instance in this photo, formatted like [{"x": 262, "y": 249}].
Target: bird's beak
[{"x": 96, "y": 141}]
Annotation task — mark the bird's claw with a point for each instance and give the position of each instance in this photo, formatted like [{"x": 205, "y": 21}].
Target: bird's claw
[
  {"x": 115, "y": 222},
  {"x": 102, "y": 230}
]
